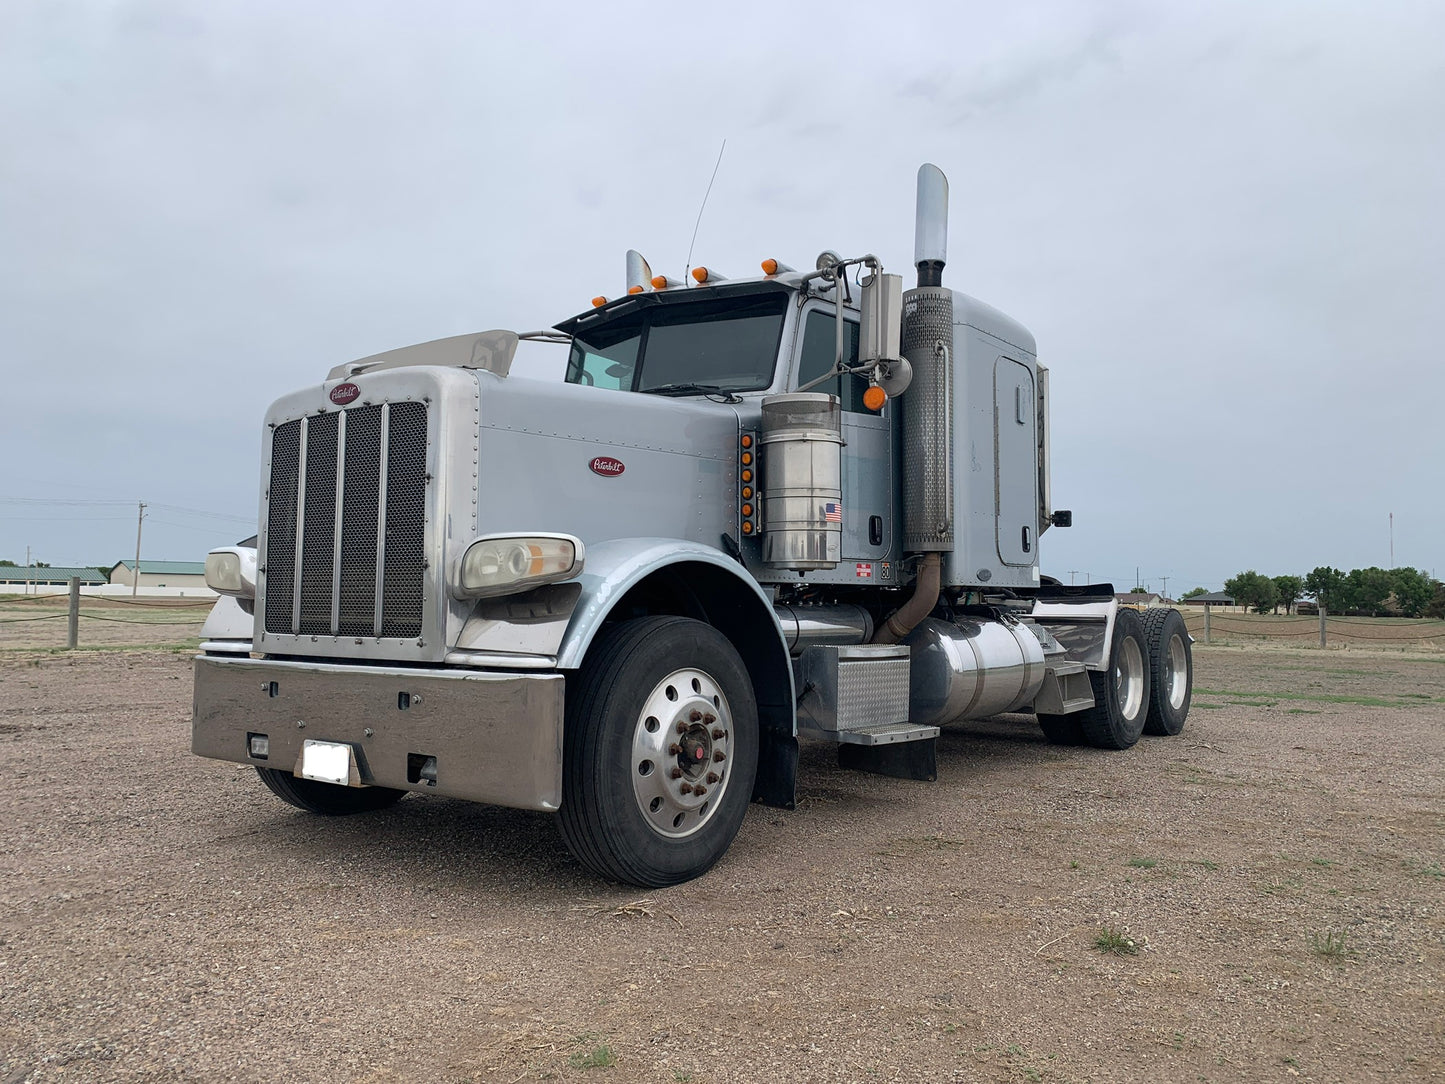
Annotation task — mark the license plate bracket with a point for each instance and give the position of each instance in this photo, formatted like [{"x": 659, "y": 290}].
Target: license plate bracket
[{"x": 328, "y": 762}]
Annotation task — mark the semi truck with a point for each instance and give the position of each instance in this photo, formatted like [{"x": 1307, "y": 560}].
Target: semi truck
[{"x": 805, "y": 503}]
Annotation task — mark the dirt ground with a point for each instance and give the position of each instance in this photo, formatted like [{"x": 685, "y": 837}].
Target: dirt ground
[{"x": 1277, "y": 869}]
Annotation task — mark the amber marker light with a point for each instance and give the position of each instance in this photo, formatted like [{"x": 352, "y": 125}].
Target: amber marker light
[
  {"x": 874, "y": 397},
  {"x": 747, "y": 528},
  {"x": 598, "y": 301},
  {"x": 770, "y": 267},
  {"x": 700, "y": 274},
  {"x": 747, "y": 459},
  {"x": 747, "y": 493},
  {"x": 747, "y": 441},
  {"x": 747, "y": 509},
  {"x": 747, "y": 476},
  {"x": 659, "y": 282},
  {"x": 634, "y": 289}
]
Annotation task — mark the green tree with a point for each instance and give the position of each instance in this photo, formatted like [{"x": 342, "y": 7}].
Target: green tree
[
  {"x": 1437, "y": 604},
  {"x": 1368, "y": 589},
  {"x": 1253, "y": 590},
  {"x": 1288, "y": 589},
  {"x": 8, "y": 564},
  {"x": 1411, "y": 591},
  {"x": 1193, "y": 592},
  {"x": 1326, "y": 586}
]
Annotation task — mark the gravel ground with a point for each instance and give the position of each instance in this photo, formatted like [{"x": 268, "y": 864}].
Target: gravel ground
[{"x": 1277, "y": 868}]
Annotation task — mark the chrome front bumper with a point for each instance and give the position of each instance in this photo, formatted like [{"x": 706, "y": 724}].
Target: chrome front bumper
[{"x": 496, "y": 737}]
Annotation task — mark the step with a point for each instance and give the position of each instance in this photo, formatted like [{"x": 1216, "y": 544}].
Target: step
[{"x": 886, "y": 734}]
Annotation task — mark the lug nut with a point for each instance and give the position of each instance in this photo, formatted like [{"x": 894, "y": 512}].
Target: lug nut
[
  {"x": 719, "y": 756},
  {"x": 674, "y": 749},
  {"x": 699, "y": 790},
  {"x": 718, "y": 733},
  {"x": 686, "y": 788},
  {"x": 694, "y": 715},
  {"x": 677, "y": 773},
  {"x": 709, "y": 718},
  {"x": 713, "y": 777},
  {"x": 681, "y": 727}
]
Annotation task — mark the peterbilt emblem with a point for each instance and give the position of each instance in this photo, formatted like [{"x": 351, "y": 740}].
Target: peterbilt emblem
[
  {"x": 344, "y": 393},
  {"x": 606, "y": 466}
]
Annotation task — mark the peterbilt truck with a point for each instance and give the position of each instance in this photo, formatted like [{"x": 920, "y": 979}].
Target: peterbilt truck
[{"x": 803, "y": 503}]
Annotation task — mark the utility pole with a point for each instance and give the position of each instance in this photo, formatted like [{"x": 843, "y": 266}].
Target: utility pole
[
  {"x": 1392, "y": 539},
  {"x": 140, "y": 519},
  {"x": 1072, "y": 573},
  {"x": 27, "y": 570},
  {"x": 1166, "y": 587}
]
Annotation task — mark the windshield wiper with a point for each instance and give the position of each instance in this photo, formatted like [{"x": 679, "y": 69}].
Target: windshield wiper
[{"x": 728, "y": 395}]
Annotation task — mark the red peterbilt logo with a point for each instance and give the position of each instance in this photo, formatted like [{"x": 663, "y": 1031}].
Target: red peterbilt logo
[
  {"x": 606, "y": 466},
  {"x": 344, "y": 393}
]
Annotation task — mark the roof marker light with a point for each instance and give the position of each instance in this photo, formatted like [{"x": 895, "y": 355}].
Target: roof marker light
[
  {"x": 702, "y": 274},
  {"x": 660, "y": 282},
  {"x": 634, "y": 289},
  {"x": 774, "y": 267},
  {"x": 598, "y": 301}
]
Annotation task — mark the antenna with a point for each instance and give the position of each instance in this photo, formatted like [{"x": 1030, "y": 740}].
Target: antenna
[{"x": 703, "y": 208}]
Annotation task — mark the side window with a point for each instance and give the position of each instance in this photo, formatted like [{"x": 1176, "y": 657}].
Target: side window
[
  {"x": 816, "y": 358},
  {"x": 607, "y": 359}
]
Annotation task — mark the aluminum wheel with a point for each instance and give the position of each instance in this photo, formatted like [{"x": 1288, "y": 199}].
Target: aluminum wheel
[
  {"x": 1129, "y": 678},
  {"x": 681, "y": 747},
  {"x": 1176, "y": 673}
]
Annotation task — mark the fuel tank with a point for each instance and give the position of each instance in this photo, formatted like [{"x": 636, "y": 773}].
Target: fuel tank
[{"x": 970, "y": 669}]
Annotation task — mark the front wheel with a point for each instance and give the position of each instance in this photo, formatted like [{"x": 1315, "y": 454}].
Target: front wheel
[
  {"x": 661, "y": 750},
  {"x": 327, "y": 798}
]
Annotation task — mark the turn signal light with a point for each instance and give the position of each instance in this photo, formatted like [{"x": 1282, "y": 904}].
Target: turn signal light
[{"x": 874, "y": 397}]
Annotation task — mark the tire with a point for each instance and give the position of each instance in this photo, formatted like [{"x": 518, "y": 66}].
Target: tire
[
  {"x": 1121, "y": 694},
  {"x": 1062, "y": 729},
  {"x": 625, "y": 814},
  {"x": 327, "y": 799},
  {"x": 1171, "y": 671}
]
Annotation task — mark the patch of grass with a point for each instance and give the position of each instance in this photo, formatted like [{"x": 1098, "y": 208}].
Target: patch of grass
[
  {"x": 1324, "y": 863},
  {"x": 1243, "y": 696},
  {"x": 1330, "y": 945},
  {"x": 1074, "y": 864},
  {"x": 681, "y": 1076},
  {"x": 1206, "y": 864},
  {"x": 1142, "y": 863},
  {"x": 597, "y": 1056},
  {"x": 1431, "y": 869},
  {"x": 1206, "y": 707},
  {"x": 1303, "y": 711},
  {"x": 1115, "y": 942}
]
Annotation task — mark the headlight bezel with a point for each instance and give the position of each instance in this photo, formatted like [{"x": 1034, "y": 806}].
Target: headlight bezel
[
  {"x": 231, "y": 570},
  {"x": 468, "y": 581}
]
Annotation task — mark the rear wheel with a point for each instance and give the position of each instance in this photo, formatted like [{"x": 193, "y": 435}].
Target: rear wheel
[
  {"x": 661, "y": 750},
  {"x": 1121, "y": 693},
  {"x": 1171, "y": 671},
  {"x": 327, "y": 798}
]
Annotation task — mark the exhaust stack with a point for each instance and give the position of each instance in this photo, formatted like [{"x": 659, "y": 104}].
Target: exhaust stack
[{"x": 930, "y": 230}]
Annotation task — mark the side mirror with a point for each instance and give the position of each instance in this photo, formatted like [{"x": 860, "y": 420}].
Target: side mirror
[{"x": 880, "y": 334}]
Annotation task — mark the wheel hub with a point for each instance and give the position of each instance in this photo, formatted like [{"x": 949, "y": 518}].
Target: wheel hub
[{"x": 680, "y": 749}]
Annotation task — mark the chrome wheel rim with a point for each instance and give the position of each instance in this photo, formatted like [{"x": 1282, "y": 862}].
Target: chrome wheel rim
[
  {"x": 1176, "y": 672},
  {"x": 1129, "y": 678},
  {"x": 681, "y": 752}
]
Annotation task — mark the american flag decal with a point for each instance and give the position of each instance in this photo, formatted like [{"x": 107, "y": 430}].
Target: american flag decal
[{"x": 832, "y": 513}]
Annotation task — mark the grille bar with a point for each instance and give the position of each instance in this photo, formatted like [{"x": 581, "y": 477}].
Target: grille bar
[{"x": 346, "y": 523}]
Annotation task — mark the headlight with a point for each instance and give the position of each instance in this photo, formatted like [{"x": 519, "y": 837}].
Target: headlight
[
  {"x": 503, "y": 564},
  {"x": 232, "y": 571}
]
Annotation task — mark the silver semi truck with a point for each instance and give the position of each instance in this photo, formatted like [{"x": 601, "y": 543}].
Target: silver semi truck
[{"x": 803, "y": 503}]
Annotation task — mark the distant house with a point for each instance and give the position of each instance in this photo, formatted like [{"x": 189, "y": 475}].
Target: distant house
[
  {"x": 160, "y": 573},
  {"x": 51, "y": 575},
  {"x": 1141, "y": 600},
  {"x": 1213, "y": 599}
]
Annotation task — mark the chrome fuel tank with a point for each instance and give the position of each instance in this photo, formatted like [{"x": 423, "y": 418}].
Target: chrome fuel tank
[{"x": 971, "y": 669}]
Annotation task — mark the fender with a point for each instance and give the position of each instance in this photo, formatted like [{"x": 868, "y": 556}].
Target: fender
[{"x": 619, "y": 566}]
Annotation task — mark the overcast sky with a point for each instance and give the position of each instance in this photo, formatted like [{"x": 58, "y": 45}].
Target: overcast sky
[{"x": 1222, "y": 223}]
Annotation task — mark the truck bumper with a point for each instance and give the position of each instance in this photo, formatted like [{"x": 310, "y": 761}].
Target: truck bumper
[{"x": 496, "y": 737}]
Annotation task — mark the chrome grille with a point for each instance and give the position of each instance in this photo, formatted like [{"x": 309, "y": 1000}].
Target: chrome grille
[{"x": 346, "y": 523}]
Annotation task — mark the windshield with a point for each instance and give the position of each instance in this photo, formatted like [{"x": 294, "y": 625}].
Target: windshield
[{"x": 728, "y": 344}]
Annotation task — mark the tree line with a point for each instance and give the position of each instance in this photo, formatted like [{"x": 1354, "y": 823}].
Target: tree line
[{"x": 1371, "y": 592}]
